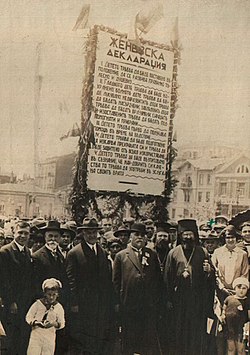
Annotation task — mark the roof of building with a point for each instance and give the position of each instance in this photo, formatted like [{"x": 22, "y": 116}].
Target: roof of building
[
  {"x": 203, "y": 163},
  {"x": 229, "y": 162},
  {"x": 22, "y": 187}
]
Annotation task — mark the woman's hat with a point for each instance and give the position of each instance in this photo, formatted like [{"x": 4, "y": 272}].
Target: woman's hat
[
  {"x": 240, "y": 281},
  {"x": 231, "y": 231}
]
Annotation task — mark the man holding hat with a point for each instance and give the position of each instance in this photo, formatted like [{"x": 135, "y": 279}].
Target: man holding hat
[
  {"x": 137, "y": 281},
  {"x": 90, "y": 282},
  {"x": 189, "y": 278}
]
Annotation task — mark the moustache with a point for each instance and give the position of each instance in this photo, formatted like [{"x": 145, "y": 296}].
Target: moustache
[{"x": 52, "y": 244}]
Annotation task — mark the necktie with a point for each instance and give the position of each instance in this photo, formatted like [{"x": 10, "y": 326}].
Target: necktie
[
  {"x": 93, "y": 250},
  {"x": 54, "y": 254}
]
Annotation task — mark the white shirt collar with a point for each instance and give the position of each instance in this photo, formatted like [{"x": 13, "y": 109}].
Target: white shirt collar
[
  {"x": 91, "y": 247},
  {"x": 19, "y": 246},
  {"x": 50, "y": 249}
]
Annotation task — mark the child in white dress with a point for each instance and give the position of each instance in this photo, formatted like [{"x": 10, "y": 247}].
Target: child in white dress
[{"x": 45, "y": 316}]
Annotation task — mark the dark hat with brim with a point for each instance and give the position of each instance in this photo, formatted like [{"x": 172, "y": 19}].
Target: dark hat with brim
[
  {"x": 66, "y": 228},
  {"x": 211, "y": 235},
  {"x": 163, "y": 226},
  {"x": 138, "y": 227},
  {"x": 89, "y": 223},
  {"x": 121, "y": 230},
  {"x": 240, "y": 218},
  {"x": 51, "y": 226},
  {"x": 114, "y": 240}
]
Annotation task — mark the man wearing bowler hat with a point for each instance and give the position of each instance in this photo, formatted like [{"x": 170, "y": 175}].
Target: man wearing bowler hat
[
  {"x": 90, "y": 282},
  {"x": 137, "y": 279},
  {"x": 189, "y": 279}
]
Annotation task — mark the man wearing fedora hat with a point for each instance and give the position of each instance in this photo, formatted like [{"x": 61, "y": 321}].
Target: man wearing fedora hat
[
  {"x": 123, "y": 234},
  {"x": 89, "y": 275},
  {"x": 137, "y": 279},
  {"x": 68, "y": 234},
  {"x": 189, "y": 280}
]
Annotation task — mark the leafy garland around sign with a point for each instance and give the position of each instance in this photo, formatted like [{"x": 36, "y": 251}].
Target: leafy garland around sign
[{"x": 81, "y": 198}]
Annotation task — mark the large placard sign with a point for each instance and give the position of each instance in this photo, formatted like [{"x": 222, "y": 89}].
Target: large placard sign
[{"x": 131, "y": 96}]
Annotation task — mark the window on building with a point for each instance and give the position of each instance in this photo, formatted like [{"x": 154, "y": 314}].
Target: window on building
[
  {"x": 208, "y": 196},
  {"x": 2, "y": 208},
  {"x": 201, "y": 179},
  {"x": 185, "y": 213},
  {"x": 241, "y": 187},
  {"x": 186, "y": 196},
  {"x": 173, "y": 213},
  {"x": 223, "y": 188},
  {"x": 199, "y": 196},
  {"x": 242, "y": 169},
  {"x": 209, "y": 179}
]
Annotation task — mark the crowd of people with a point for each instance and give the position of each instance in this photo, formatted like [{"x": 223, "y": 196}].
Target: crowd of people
[{"x": 143, "y": 287}]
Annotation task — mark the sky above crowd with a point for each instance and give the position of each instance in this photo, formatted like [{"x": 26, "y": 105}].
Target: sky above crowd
[{"x": 213, "y": 76}]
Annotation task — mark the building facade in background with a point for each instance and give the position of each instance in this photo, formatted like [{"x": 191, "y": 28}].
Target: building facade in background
[{"x": 210, "y": 182}]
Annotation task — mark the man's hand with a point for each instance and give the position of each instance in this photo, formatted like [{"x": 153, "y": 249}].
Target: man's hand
[
  {"x": 75, "y": 309},
  {"x": 13, "y": 308}
]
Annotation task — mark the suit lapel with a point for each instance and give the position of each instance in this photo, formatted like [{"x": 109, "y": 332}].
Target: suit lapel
[{"x": 134, "y": 259}]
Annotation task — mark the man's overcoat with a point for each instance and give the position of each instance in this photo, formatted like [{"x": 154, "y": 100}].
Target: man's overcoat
[
  {"x": 91, "y": 290},
  {"x": 137, "y": 285}
]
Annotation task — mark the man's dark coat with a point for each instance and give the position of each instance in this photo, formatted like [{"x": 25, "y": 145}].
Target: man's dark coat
[
  {"x": 138, "y": 289},
  {"x": 47, "y": 266},
  {"x": 91, "y": 290},
  {"x": 17, "y": 287}
]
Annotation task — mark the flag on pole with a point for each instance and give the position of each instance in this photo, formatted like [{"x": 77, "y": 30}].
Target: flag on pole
[
  {"x": 74, "y": 132},
  {"x": 149, "y": 16},
  {"x": 144, "y": 20},
  {"x": 83, "y": 18}
]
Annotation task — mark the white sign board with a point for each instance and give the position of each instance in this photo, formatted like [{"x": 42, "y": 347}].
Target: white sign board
[{"x": 131, "y": 96}]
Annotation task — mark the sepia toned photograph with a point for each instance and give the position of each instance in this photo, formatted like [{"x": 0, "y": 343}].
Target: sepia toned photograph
[{"x": 125, "y": 177}]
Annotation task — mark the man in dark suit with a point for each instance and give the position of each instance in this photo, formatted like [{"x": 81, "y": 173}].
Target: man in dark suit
[
  {"x": 48, "y": 260},
  {"x": 89, "y": 275},
  {"x": 16, "y": 288},
  {"x": 137, "y": 282}
]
